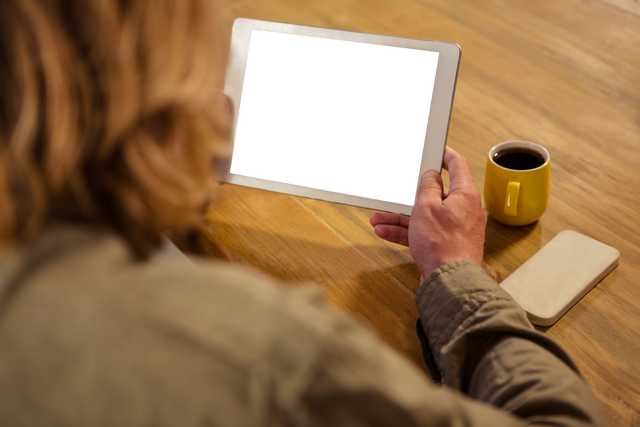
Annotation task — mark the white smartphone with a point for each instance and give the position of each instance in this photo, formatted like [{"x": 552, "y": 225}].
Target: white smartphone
[{"x": 559, "y": 275}]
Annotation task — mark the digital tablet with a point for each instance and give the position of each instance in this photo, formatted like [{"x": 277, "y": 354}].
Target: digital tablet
[{"x": 336, "y": 115}]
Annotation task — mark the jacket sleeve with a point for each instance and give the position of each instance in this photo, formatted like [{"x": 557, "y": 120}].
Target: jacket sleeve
[{"x": 477, "y": 340}]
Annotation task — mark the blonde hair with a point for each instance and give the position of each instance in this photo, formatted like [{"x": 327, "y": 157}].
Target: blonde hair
[{"x": 108, "y": 109}]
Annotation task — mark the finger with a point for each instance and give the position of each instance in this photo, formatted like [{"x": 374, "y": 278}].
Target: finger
[
  {"x": 224, "y": 102},
  {"x": 389, "y": 219},
  {"x": 393, "y": 233},
  {"x": 222, "y": 120},
  {"x": 430, "y": 187},
  {"x": 459, "y": 171},
  {"x": 222, "y": 114}
]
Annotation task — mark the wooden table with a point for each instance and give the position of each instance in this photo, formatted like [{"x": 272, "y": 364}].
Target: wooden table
[{"x": 563, "y": 73}]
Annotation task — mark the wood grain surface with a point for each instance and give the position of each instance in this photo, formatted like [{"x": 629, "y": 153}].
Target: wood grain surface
[{"x": 565, "y": 74}]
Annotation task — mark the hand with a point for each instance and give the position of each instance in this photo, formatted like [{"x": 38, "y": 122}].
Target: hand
[
  {"x": 223, "y": 119},
  {"x": 443, "y": 227}
]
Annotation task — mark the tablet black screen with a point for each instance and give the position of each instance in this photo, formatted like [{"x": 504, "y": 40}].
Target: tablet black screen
[{"x": 334, "y": 115}]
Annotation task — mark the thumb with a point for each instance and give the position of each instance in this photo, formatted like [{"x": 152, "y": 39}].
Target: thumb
[{"x": 430, "y": 186}]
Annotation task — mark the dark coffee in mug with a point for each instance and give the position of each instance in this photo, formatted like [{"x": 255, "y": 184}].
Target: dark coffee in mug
[{"x": 518, "y": 158}]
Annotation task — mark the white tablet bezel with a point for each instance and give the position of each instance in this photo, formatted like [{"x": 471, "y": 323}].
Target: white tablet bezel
[{"x": 439, "y": 115}]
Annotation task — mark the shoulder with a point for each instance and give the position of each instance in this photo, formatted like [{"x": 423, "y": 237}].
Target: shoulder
[
  {"x": 168, "y": 333},
  {"x": 250, "y": 315},
  {"x": 86, "y": 283}
]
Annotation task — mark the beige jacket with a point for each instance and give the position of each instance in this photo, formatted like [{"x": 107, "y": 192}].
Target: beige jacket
[{"x": 89, "y": 337}]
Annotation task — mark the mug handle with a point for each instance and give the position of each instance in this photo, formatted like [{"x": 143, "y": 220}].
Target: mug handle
[{"x": 511, "y": 199}]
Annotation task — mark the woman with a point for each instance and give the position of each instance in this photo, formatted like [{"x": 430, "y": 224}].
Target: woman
[
  {"x": 100, "y": 99},
  {"x": 111, "y": 124}
]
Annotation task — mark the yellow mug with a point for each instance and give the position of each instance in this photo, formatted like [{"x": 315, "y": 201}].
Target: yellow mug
[{"x": 516, "y": 183}]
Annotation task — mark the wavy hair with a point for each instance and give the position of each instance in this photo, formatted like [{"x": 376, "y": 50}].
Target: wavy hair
[{"x": 108, "y": 109}]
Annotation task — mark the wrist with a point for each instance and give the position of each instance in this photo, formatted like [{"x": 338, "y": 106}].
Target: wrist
[{"x": 426, "y": 269}]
